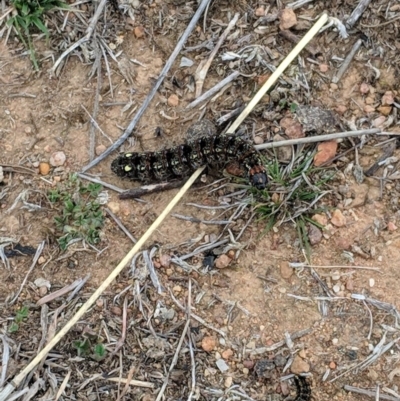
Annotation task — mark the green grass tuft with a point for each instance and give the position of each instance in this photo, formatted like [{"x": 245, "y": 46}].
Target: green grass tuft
[
  {"x": 293, "y": 191},
  {"x": 29, "y": 16},
  {"x": 80, "y": 213}
]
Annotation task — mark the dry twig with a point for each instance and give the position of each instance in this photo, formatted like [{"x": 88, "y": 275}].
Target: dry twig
[
  {"x": 369, "y": 393},
  {"x": 203, "y": 67},
  {"x": 213, "y": 90},
  {"x": 357, "y": 12},
  {"x": 345, "y": 65},
  {"x": 178, "y": 348},
  {"x": 319, "y": 138}
]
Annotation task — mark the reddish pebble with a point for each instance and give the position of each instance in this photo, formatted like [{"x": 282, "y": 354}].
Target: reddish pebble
[
  {"x": 228, "y": 353},
  {"x": 391, "y": 226},
  {"x": 116, "y": 310},
  {"x": 364, "y": 88},
  {"x": 99, "y": 304},
  {"x": 321, "y": 219},
  {"x": 44, "y": 168},
  {"x": 385, "y": 110},
  {"x": 222, "y": 261},
  {"x": 139, "y": 32},
  {"x": 388, "y": 98},
  {"x": 248, "y": 364},
  {"x": 378, "y": 122},
  {"x": 173, "y": 100},
  {"x": 349, "y": 285},
  {"x": 324, "y": 67},
  {"x": 332, "y": 365},
  {"x": 325, "y": 152},
  {"x": 208, "y": 343},
  {"x": 338, "y": 218},
  {"x": 165, "y": 260},
  {"x": 260, "y": 12},
  {"x": 287, "y": 19},
  {"x": 369, "y": 109},
  {"x": 341, "y": 109}
]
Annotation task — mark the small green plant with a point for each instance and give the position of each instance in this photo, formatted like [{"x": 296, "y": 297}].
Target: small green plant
[
  {"x": 81, "y": 215},
  {"x": 29, "y": 15},
  {"x": 99, "y": 352},
  {"x": 22, "y": 314},
  {"x": 292, "y": 195},
  {"x": 84, "y": 348}
]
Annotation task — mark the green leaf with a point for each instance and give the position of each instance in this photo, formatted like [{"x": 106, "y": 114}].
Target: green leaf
[
  {"x": 99, "y": 352},
  {"x": 13, "y": 327},
  {"x": 40, "y": 25}
]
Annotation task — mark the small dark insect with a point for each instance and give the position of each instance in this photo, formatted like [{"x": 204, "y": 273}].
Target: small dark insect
[{"x": 202, "y": 147}]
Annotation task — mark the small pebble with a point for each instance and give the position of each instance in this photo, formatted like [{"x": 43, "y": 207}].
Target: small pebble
[
  {"x": 260, "y": 12},
  {"x": 341, "y": 109},
  {"x": 116, "y": 310},
  {"x": 371, "y": 282},
  {"x": 369, "y": 109},
  {"x": 100, "y": 303},
  {"x": 258, "y": 140},
  {"x": 222, "y": 365},
  {"x": 41, "y": 260},
  {"x": 364, "y": 88},
  {"x": 378, "y": 122},
  {"x": 286, "y": 270},
  {"x": 323, "y": 67},
  {"x": 325, "y": 152},
  {"x": 228, "y": 353},
  {"x": 335, "y": 341},
  {"x": 246, "y": 371},
  {"x": 391, "y": 226},
  {"x": 173, "y": 100},
  {"x": 114, "y": 207},
  {"x": 165, "y": 260},
  {"x": 332, "y": 365},
  {"x": 44, "y": 168},
  {"x": 320, "y": 219},
  {"x": 43, "y": 291},
  {"x": 248, "y": 364},
  {"x": 57, "y": 159},
  {"x": 387, "y": 98},
  {"x": 228, "y": 381},
  {"x": 176, "y": 288},
  {"x": 338, "y": 219},
  {"x": 222, "y": 261},
  {"x": 299, "y": 365},
  {"x": 138, "y": 32},
  {"x": 100, "y": 149},
  {"x": 336, "y": 288},
  {"x": 287, "y": 18},
  {"x": 208, "y": 343}
]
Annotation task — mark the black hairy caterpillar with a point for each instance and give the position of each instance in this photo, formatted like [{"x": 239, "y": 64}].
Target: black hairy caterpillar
[
  {"x": 203, "y": 147},
  {"x": 303, "y": 389}
]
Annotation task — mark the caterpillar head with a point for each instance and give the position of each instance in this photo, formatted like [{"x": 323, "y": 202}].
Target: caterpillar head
[{"x": 258, "y": 177}]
